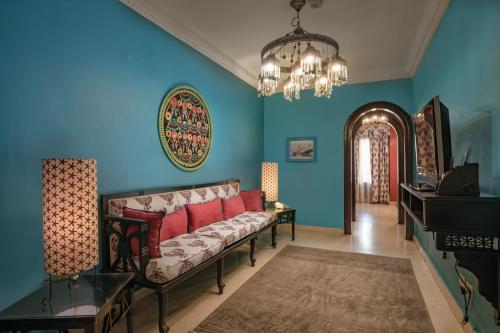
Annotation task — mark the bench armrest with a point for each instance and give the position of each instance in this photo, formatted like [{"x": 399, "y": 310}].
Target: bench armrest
[{"x": 124, "y": 259}]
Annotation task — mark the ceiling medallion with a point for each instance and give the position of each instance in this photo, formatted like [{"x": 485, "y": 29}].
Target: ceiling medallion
[{"x": 308, "y": 59}]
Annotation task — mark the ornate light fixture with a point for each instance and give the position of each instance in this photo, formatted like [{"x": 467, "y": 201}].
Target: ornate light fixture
[
  {"x": 308, "y": 59},
  {"x": 323, "y": 86},
  {"x": 375, "y": 119}
]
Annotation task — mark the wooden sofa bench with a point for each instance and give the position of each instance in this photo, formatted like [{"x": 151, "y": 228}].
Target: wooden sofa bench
[{"x": 184, "y": 255}]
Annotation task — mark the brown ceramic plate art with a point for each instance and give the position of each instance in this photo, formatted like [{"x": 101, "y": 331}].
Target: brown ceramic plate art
[{"x": 185, "y": 128}]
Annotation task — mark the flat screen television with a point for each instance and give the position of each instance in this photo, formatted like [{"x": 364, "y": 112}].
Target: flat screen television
[{"x": 432, "y": 142}]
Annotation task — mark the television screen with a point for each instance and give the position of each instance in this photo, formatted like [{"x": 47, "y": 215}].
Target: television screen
[
  {"x": 426, "y": 141},
  {"x": 432, "y": 142}
]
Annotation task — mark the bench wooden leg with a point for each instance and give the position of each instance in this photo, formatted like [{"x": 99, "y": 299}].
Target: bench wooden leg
[
  {"x": 273, "y": 235},
  {"x": 162, "y": 311},
  {"x": 220, "y": 275},
  {"x": 252, "y": 251},
  {"x": 130, "y": 313}
]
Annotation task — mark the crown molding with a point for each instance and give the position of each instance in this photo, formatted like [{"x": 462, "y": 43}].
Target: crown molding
[
  {"x": 380, "y": 75},
  {"x": 170, "y": 24},
  {"x": 428, "y": 26}
]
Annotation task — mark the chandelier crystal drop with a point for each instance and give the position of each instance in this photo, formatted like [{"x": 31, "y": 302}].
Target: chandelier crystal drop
[
  {"x": 266, "y": 87},
  {"x": 323, "y": 87},
  {"x": 270, "y": 68},
  {"x": 289, "y": 89},
  {"x": 298, "y": 78},
  {"x": 310, "y": 61},
  {"x": 337, "y": 71}
]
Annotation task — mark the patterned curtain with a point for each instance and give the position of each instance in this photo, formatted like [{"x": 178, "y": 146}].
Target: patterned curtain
[{"x": 378, "y": 190}]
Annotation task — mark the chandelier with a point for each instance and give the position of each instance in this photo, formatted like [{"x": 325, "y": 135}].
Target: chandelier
[
  {"x": 375, "y": 119},
  {"x": 305, "y": 59}
]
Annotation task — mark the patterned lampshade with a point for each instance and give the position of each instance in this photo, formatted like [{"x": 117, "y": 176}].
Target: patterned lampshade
[
  {"x": 270, "y": 180},
  {"x": 70, "y": 231}
]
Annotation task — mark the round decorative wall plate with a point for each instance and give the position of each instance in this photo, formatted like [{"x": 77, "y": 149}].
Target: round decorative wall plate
[{"x": 185, "y": 128}]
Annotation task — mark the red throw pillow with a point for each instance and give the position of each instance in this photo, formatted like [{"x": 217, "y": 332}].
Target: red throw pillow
[
  {"x": 174, "y": 224},
  {"x": 200, "y": 215},
  {"x": 252, "y": 200},
  {"x": 233, "y": 207},
  {"x": 154, "y": 219}
]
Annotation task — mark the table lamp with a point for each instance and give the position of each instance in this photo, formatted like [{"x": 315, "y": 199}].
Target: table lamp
[
  {"x": 269, "y": 181},
  {"x": 70, "y": 230}
]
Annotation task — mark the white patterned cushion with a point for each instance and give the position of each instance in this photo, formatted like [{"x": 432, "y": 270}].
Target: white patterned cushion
[
  {"x": 227, "y": 232},
  {"x": 251, "y": 226},
  {"x": 204, "y": 194},
  {"x": 196, "y": 196},
  {"x": 180, "y": 254},
  {"x": 229, "y": 191},
  {"x": 166, "y": 202},
  {"x": 259, "y": 219}
]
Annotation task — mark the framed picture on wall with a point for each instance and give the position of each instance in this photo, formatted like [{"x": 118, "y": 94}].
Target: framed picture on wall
[{"x": 302, "y": 149}]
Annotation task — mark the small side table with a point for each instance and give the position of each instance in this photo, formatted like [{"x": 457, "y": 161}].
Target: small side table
[
  {"x": 285, "y": 215},
  {"x": 93, "y": 302}
]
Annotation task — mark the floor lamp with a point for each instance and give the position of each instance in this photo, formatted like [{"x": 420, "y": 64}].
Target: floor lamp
[{"x": 70, "y": 230}]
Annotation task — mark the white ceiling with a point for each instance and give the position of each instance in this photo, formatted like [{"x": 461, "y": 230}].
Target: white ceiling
[{"x": 380, "y": 39}]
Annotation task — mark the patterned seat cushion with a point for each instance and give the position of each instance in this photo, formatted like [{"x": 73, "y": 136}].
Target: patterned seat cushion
[
  {"x": 237, "y": 227},
  {"x": 251, "y": 225},
  {"x": 180, "y": 254},
  {"x": 227, "y": 232},
  {"x": 256, "y": 220}
]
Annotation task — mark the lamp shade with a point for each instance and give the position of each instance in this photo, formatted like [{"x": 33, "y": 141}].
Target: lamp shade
[
  {"x": 70, "y": 231},
  {"x": 270, "y": 180}
]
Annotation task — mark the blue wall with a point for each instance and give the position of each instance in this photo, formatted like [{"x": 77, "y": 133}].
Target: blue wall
[
  {"x": 462, "y": 66},
  {"x": 86, "y": 79},
  {"x": 317, "y": 189}
]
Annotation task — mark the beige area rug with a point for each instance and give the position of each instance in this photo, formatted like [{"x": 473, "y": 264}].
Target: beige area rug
[{"x": 311, "y": 290}]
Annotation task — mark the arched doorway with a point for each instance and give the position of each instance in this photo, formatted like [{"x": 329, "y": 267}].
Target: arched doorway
[{"x": 401, "y": 122}]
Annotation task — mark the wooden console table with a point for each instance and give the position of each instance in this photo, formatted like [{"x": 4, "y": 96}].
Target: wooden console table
[
  {"x": 94, "y": 303},
  {"x": 467, "y": 226}
]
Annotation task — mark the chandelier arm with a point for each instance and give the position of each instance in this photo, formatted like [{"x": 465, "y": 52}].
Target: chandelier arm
[
  {"x": 296, "y": 19},
  {"x": 279, "y": 49},
  {"x": 288, "y": 69},
  {"x": 302, "y": 37}
]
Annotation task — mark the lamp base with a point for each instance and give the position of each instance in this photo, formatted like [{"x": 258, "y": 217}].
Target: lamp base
[
  {"x": 57, "y": 278},
  {"x": 269, "y": 205},
  {"x": 276, "y": 205},
  {"x": 279, "y": 205}
]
